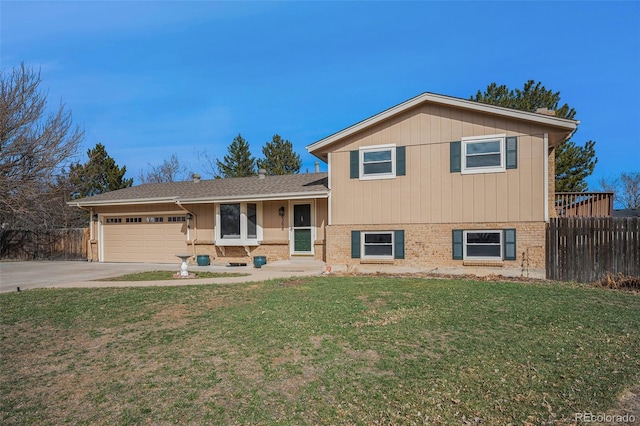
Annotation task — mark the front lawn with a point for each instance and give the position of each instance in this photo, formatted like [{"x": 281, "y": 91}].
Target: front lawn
[
  {"x": 171, "y": 275},
  {"x": 332, "y": 350}
]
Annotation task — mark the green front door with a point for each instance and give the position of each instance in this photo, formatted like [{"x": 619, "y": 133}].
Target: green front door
[{"x": 302, "y": 229}]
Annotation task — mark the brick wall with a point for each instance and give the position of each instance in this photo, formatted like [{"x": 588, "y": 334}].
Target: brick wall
[
  {"x": 273, "y": 250},
  {"x": 429, "y": 246}
]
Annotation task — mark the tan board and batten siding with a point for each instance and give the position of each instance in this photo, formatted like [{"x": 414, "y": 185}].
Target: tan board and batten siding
[
  {"x": 429, "y": 193},
  {"x": 159, "y": 242}
]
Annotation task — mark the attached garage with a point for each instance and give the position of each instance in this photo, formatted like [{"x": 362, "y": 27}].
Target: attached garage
[{"x": 141, "y": 238}]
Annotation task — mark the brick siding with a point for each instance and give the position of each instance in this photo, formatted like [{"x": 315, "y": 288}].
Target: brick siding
[{"x": 429, "y": 246}]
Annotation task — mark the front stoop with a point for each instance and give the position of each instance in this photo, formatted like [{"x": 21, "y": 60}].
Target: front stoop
[{"x": 296, "y": 265}]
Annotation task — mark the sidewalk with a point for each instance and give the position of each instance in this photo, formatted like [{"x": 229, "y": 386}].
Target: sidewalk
[{"x": 31, "y": 275}]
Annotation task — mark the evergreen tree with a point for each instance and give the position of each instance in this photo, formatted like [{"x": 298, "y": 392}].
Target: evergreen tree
[
  {"x": 279, "y": 157},
  {"x": 98, "y": 175},
  {"x": 573, "y": 163},
  {"x": 238, "y": 162}
]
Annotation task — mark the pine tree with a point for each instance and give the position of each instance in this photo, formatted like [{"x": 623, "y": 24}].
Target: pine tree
[
  {"x": 98, "y": 175},
  {"x": 573, "y": 163},
  {"x": 238, "y": 162},
  {"x": 279, "y": 157}
]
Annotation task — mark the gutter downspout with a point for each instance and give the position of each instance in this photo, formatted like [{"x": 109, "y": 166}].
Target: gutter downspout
[
  {"x": 90, "y": 228},
  {"x": 192, "y": 240}
]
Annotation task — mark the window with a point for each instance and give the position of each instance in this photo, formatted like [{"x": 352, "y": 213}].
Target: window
[
  {"x": 176, "y": 219},
  {"x": 483, "y": 155},
  {"x": 483, "y": 245},
  {"x": 480, "y": 244},
  {"x": 155, "y": 219},
  {"x": 237, "y": 224},
  {"x": 378, "y": 162},
  {"x": 114, "y": 220},
  {"x": 133, "y": 220},
  {"x": 377, "y": 245},
  {"x": 230, "y": 221},
  {"x": 252, "y": 221}
]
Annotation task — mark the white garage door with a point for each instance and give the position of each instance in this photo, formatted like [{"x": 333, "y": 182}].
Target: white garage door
[{"x": 143, "y": 238}]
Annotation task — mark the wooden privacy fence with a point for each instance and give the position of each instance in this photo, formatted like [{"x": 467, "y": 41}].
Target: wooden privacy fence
[
  {"x": 57, "y": 244},
  {"x": 586, "y": 249}
]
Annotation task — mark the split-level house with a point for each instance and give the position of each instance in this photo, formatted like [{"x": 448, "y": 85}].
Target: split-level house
[{"x": 435, "y": 182}]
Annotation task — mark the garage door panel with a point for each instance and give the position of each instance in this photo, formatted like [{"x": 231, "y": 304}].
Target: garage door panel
[{"x": 143, "y": 242}]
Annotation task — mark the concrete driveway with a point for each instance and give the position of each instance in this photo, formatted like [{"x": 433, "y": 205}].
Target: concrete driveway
[{"x": 39, "y": 274}]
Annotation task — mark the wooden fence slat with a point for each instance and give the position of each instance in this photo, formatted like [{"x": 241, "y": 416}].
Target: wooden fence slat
[
  {"x": 586, "y": 249},
  {"x": 59, "y": 244}
]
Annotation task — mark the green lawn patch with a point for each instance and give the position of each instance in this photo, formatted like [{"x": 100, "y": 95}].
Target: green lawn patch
[
  {"x": 171, "y": 275},
  {"x": 326, "y": 350}
]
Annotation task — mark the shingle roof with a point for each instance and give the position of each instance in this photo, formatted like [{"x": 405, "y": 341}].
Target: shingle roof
[{"x": 312, "y": 185}]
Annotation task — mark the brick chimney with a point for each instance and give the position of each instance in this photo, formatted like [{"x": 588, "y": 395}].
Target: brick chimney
[{"x": 546, "y": 111}]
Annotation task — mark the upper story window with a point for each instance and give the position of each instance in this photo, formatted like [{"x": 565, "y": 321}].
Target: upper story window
[
  {"x": 484, "y": 154},
  {"x": 378, "y": 162}
]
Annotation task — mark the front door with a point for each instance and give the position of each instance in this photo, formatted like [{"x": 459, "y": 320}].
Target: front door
[{"x": 301, "y": 238}]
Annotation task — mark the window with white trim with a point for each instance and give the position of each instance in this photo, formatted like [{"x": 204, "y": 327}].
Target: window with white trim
[
  {"x": 237, "y": 224},
  {"x": 377, "y": 245},
  {"x": 483, "y": 245},
  {"x": 378, "y": 162},
  {"x": 484, "y": 154}
]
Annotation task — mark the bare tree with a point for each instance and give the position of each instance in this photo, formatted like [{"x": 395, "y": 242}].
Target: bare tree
[
  {"x": 35, "y": 147},
  {"x": 170, "y": 170},
  {"x": 630, "y": 190},
  {"x": 626, "y": 189},
  {"x": 209, "y": 163}
]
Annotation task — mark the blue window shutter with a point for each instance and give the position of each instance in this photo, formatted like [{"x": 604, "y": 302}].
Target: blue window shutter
[
  {"x": 455, "y": 156},
  {"x": 398, "y": 244},
  {"x": 354, "y": 164},
  {"x": 512, "y": 152},
  {"x": 457, "y": 237},
  {"x": 401, "y": 161},
  {"x": 509, "y": 244},
  {"x": 355, "y": 244}
]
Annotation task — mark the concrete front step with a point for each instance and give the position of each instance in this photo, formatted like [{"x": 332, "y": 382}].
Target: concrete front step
[{"x": 296, "y": 265}]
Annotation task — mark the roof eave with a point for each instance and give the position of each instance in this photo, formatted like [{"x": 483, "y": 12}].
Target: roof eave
[
  {"x": 202, "y": 200},
  {"x": 569, "y": 125}
]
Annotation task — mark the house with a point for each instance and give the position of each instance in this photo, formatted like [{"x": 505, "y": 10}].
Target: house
[
  {"x": 230, "y": 219},
  {"x": 442, "y": 183},
  {"x": 435, "y": 182}
]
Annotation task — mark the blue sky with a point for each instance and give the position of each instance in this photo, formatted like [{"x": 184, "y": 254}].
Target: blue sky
[{"x": 150, "y": 79}]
